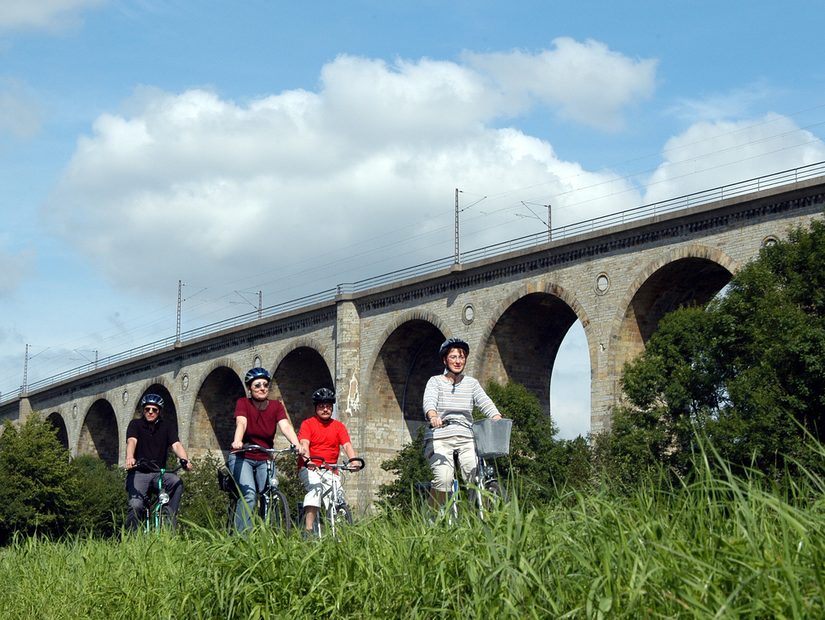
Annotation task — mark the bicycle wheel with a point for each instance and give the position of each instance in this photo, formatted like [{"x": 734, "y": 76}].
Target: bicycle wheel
[
  {"x": 343, "y": 514},
  {"x": 490, "y": 496},
  {"x": 277, "y": 511}
]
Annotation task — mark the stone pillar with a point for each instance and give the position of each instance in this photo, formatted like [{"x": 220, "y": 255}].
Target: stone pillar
[
  {"x": 348, "y": 385},
  {"x": 24, "y": 411}
]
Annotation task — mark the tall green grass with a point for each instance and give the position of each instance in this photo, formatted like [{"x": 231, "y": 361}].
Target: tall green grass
[{"x": 717, "y": 546}]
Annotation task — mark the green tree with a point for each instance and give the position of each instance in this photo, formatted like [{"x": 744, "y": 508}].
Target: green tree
[
  {"x": 410, "y": 468},
  {"x": 747, "y": 372},
  {"x": 38, "y": 493},
  {"x": 101, "y": 494},
  {"x": 203, "y": 503}
]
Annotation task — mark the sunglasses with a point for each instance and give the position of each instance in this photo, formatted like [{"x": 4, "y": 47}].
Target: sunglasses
[
  {"x": 151, "y": 410},
  {"x": 260, "y": 384}
]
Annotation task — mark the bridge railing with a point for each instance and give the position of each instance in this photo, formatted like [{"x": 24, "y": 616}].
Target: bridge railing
[{"x": 771, "y": 181}]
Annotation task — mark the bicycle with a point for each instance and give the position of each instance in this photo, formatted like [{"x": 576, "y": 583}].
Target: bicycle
[
  {"x": 334, "y": 506},
  {"x": 492, "y": 440},
  {"x": 273, "y": 506},
  {"x": 157, "y": 511}
]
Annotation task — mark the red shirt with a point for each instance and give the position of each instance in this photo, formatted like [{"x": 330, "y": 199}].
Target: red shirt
[
  {"x": 260, "y": 425},
  {"x": 325, "y": 438}
]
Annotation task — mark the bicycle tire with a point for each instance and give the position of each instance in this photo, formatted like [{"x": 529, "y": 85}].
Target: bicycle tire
[
  {"x": 277, "y": 511},
  {"x": 343, "y": 514},
  {"x": 490, "y": 496}
]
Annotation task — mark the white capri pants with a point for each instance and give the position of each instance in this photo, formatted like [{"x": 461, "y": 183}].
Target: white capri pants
[{"x": 439, "y": 453}]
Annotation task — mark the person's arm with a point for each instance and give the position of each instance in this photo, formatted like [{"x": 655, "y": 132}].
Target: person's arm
[
  {"x": 180, "y": 452},
  {"x": 350, "y": 452},
  {"x": 431, "y": 403},
  {"x": 286, "y": 428},
  {"x": 485, "y": 403},
  {"x": 240, "y": 431},
  {"x": 131, "y": 446}
]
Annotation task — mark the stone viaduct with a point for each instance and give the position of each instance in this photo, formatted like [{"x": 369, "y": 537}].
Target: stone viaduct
[{"x": 378, "y": 346}]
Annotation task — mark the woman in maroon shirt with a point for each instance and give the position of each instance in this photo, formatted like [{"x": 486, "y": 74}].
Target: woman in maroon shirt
[{"x": 256, "y": 420}]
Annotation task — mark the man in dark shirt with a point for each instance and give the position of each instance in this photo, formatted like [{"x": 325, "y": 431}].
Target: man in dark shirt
[{"x": 148, "y": 440}]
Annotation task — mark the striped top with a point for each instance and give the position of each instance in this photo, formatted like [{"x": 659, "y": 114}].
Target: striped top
[{"x": 455, "y": 402}]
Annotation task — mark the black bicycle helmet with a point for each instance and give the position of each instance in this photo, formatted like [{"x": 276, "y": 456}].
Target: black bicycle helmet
[
  {"x": 256, "y": 373},
  {"x": 453, "y": 343},
  {"x": 151, "y": 399},
  {"x": 323, "y": 395}
]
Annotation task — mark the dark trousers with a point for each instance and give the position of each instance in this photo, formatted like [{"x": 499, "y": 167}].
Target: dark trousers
[{"x": 137, "y": 487}]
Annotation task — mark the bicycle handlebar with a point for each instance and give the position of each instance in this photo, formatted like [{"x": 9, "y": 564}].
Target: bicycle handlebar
[
  {"x": 154, "y": 467},
  {"x": 272, "y": 452},
  {"x": 347, "y": 465},
  {"x": 449, "y": 422}
]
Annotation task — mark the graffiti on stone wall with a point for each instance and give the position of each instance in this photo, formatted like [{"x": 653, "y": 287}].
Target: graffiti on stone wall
[{"x": 353, "y": 396}]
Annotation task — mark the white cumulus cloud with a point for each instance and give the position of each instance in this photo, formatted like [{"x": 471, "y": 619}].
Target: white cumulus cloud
[
  {"x": 711, "y": 154},
  {"x": 193, "y": 185},
  {"x": 586, "y": 82}
]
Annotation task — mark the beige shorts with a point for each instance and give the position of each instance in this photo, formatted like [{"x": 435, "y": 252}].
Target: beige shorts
[{"x": 439, "y": 453}]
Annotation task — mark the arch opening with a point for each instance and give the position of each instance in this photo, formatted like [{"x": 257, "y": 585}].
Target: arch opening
[
  {"x": 525, "y": 342},
  {"x": 683, "y": 282},
  {"x": 56, "y": 420},
  {"x": 298, "y": 375},
  {"x": 99, "y": 434},
  {"x": 213, "y": 419}
]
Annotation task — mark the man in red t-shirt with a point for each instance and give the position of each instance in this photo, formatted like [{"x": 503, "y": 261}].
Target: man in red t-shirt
[{"x": 323, "y": 437}]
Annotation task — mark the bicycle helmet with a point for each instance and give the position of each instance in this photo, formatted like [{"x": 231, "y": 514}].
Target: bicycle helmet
[
  {"x": 256, "y": 373},
  {"x": 151, "y": 399},
  {"x": 453, "y": 343},
  {"x": 323, "y": 395}
]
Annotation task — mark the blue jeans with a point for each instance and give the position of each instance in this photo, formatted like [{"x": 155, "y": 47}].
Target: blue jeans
[{"x": 251, "y": 478}]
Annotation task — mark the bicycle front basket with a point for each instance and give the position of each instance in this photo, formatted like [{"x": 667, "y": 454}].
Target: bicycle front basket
[{"x": 492, "y": 437}]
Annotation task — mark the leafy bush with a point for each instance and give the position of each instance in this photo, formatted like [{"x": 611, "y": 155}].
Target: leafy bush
[
  {"x": 102, "y": 506},
  {"x": 38, "y": 492},
  {"x": 203, "y": 502}
]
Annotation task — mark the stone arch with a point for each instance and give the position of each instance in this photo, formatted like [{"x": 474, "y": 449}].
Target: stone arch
[
  {"x": 406, "y": 358},
  {"x": 420, "y": 356},
  {"x": 523, "y": 336},
  {"x": 59, "y": 424},
  {"x": 99, "y": 434},
  {"x": 690, "y": 274},
  {"x": 300, "y": 370},
  {"x": 212, "y": 423}
]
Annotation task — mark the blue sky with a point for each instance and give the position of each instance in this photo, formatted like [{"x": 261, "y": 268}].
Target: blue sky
[{"x": 286, "y": 147}]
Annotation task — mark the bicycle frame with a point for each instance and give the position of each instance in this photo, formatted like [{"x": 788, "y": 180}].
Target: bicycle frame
[
  {"x": 333, "y": 500},
  {"x": 271, "y": 492}
]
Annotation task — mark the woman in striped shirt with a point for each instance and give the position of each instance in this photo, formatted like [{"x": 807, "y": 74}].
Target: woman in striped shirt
[{"x": 448, "y": 406}]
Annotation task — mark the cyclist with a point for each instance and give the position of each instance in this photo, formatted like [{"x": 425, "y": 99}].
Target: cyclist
[
  {"x": 450, "y": 397},
  {"x": 257, "y": 418},
  {"x": 148, "y": 439},
  {"x": 324, "y": 437}
]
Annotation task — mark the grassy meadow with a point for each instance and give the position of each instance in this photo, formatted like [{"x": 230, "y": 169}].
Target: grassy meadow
[{"x": 718, "y": 547}]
